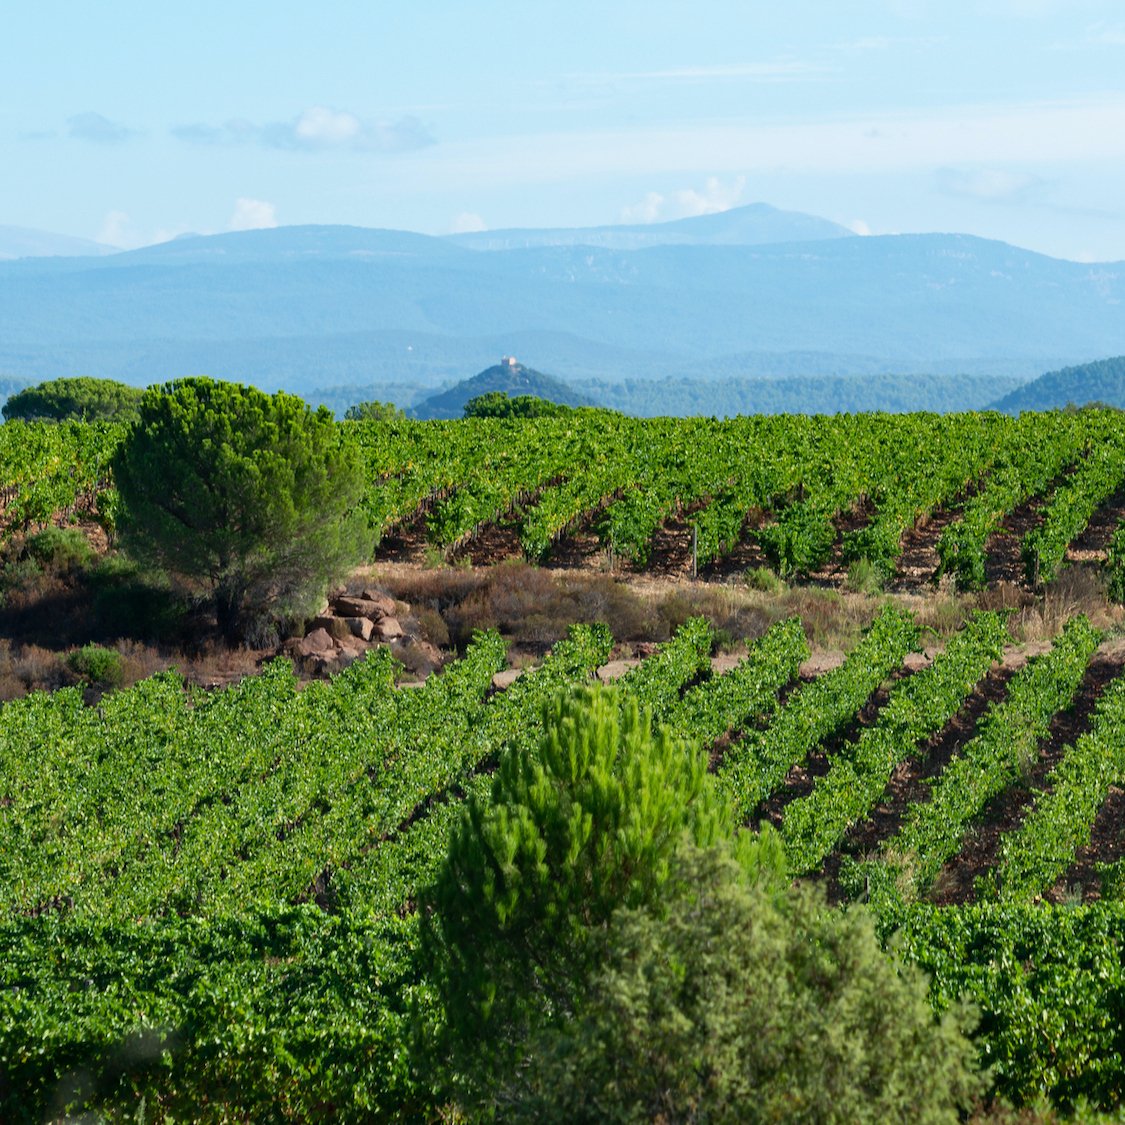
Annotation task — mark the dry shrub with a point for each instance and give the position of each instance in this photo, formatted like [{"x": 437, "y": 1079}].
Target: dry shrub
[
  {"x": 1078, "y": 589},
  {"x": 11, "y": 687},
  {"x": 536, "y": 607},
  {"x": 139, "y": 661},
  {"x": 25, "y": 668},
  {"x": 215, "y": 665},
  {"x": 438, "y": 589},
  {"x": 432, "y": 625},
  {"x": 734, "y": 616},
  {"x": 831, "y": 620}
]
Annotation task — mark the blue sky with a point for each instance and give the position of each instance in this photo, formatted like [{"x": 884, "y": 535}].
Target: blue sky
[{"x": 133, "y": 122}]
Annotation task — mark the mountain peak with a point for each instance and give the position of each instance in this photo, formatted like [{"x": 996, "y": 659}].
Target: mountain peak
[{"x": 753, "y": 224}]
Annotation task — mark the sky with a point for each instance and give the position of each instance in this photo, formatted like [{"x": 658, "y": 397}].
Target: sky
[{"x": 131, "y": 122}]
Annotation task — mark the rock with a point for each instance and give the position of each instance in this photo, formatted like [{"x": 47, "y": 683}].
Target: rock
[
  {"x": 504, "y": 680},
  {"x": 336, "y": 627},
  {"x": 615, "y": 669},
  {"x": 316, "y": 643},
  {"x": 386, "y": 604},
  {"x": 363, "y": 607},
  {"x": 388, "y": 629},
  {"x": 361, "y": 627},
  {"x": 419, "y": 657},
  {"x": 350, "y": 651}
]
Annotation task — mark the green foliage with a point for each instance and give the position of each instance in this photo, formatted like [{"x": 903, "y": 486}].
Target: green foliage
[
  {"x": 865, "y": 577},
  {"x": 102, "y": 667},
  {"x": 83, "y": 398},
  {"x": 1100, "y": 474},
  {"x": 1050, "y": 986},
  {"x": 1115, "y": 565},
  {"x": 799, "y": 541},
  {"x": 585, "y": 824},
  {"x": 1041, "y": 849},
  {"x": 1007, "y": 740},
  {"x": 498, "y": 404},
  {"x": 763, "y": 579},
  {"x": 917, "y": 709},
  {"x": 733, "y": 1004},
  {"x": 270, "y": 1016},
  {"x": 60, "y": 550},
  {"x": 756, "y": 765},
  {"x": 373, "y": 411},
  {"x": 251, "y": 498}
]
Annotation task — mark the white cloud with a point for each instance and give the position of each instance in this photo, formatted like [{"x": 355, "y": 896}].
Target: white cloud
[
  {"x": 648, "y": 210},
  {"x": 467, "y": 222},
  {"x": 990, "y": 185},
  {"x": 114, "y": 229},
  {"x": 316, "y": 129},
  {"x": 118, "y": 229},
  {"x": 252, "y": 214},
  {"x": 858, "y": 226},
  {"x": 321, "y": 126},
  {"x": 686, "y": 203}
]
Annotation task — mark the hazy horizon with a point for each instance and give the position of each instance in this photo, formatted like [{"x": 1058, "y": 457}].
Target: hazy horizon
[{"x": 1003, "y": 119}]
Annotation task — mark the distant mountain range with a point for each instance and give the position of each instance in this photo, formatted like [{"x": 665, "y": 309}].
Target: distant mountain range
[
  {"x": 23, "y": 242},
  {"x": 749, "y": 293},
  {"x": 756, "y": 224}
]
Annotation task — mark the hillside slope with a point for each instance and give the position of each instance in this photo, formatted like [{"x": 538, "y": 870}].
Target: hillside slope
[
  {"x": 1100, "y": 381},
  {"x": 510, "y": 378}
]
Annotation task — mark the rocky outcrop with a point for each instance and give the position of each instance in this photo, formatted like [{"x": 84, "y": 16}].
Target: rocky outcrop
[{"x": 351, "y": 624}]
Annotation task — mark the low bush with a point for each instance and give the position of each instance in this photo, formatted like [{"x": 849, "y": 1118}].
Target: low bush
[
  {"x": 60, "y": 550},
  {"x": 100, "y": 667}
]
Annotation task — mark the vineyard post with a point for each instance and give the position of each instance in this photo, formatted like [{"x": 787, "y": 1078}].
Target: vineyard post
[{"x": 694, "y": 551}]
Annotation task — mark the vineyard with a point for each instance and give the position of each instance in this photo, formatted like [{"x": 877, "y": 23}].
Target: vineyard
[
  {"x": 802, "y": 495},
  {"x": 216, "y": 890}
]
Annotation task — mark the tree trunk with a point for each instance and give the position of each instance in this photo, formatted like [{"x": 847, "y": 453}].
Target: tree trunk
[{"x": 228, "y": 616}]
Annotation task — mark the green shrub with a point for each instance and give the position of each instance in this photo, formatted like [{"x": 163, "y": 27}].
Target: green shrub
[
  {"x": 737, "y": 1005},
  {"x": 763, "y": 579},
  {"x": 512, "y": 925},
  {"x": 60, "y": 549},
  {"x": 101, "y": 667},
  {"x": 129, "y": 601},
  {"x": 865, "y": 577}
]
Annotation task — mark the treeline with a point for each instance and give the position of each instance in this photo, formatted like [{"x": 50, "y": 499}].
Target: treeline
[{"x": 685, "y": 396}]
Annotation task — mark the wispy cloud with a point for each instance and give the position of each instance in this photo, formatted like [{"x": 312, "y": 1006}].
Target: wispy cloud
[
  {"x": 791, "y": 70},
  {"x": 998, "y": 135},
  {"x": 716, "y": 196},
  {"x": 889, "y": 42},
  {"x": 252, "y": 214},
  {"x": 317, "y": 129},
  {"x": 1107, "y": 34},
  {"x": 96, "y": 129}
]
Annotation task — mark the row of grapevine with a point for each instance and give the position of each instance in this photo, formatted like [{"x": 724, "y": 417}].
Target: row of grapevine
[
  {"x": 1038, "y": 452},
  {"x": 1006, "y": 743},
  {"x": 626, "y": 476},
  {"x": 1044, "y": 845},
  {"x": 756, "y": 765},
  {"x": 917, "y": 708},
  {"x": 1100, "y": 475}
]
